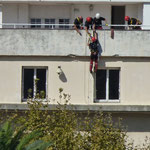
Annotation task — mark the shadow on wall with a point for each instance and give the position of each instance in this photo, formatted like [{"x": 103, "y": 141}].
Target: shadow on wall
[
  {"x": 62, "y": 77},
  {"x": 99, "y": 47},
  {"x": 135, "y": 122}
]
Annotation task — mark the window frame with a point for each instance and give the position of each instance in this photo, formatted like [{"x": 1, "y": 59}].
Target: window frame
[
  {"x": 64, "y": 22},
  {"x": 34, "y": 77},
  {"x": 34, "y": 26},
  {"x": 50, "y": 21},
  {"x": 107, "y": 100}
]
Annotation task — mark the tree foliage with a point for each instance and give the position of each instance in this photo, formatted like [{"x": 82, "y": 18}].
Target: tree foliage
[
  {"x": 69, "y": 130},
  {"x": 16, "y": 139},
  {"x": 64, "y": 129}
]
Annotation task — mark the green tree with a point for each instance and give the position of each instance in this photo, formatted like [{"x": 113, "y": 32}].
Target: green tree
[
  {"x": 16, "y": 139},
  {"x": 70, "y": 130}
]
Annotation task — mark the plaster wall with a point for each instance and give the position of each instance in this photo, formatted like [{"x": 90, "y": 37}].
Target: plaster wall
[
  {"x": 10, "y": 13},
  {"x": 22, "y": 13},
  {"x": 129, "y": 1},
  {"x": 146, "y": 11},
  {"x": 77, "y": 80},
  {"x": 65, "y": 42}
]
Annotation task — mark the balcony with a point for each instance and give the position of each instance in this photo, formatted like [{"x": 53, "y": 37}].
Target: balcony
[{"x": 48, "y": 42}]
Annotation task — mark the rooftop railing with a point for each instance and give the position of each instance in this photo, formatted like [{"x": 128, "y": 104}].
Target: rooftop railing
[{"x": 64, "y": 26}]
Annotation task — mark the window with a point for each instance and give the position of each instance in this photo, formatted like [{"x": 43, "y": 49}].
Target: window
[
  {"x": 34, "y": 82},
  {"x": 63, "y": 21},
  {"x": 35, "y": 21},
  {"x": 50, "y": 21},
  {"x": 117, "y": 16},
  {"x": 107, "y": 85}
]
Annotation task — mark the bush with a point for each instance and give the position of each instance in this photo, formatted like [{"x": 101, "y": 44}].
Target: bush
[{"x": 69, "y": 130}]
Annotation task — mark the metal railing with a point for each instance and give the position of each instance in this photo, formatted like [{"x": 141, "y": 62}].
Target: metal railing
[{"x": 60, "y": 26}]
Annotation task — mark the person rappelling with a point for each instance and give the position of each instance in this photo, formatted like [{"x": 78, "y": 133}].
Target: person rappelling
[{"x": 93, "y": 46}]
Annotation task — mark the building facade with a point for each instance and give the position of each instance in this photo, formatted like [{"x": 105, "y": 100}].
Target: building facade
[{"x": 35, "y": 43}]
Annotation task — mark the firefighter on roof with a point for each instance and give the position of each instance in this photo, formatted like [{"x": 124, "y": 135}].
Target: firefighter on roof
[
  {"x": 88, "y": 24},
  {"x": 78, "y": 24},
  {"x": 97, "y": 22},
  {"x": 133, "y": 21}
]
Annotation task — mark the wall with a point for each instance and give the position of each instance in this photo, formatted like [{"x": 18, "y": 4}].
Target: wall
[
  {"x": 146, "y": 11},
  {"x": 22, "y": 13},
  {"x": 10, "y": 13},
  {"x": 77, "y": 80},
  {"x": 51, "y": 42}
]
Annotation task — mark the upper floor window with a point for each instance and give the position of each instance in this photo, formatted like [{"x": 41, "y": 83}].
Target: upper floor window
[
  {"x": 64, "y": 21},
  {"x": 34, "y": 81},
  {"x": 107, "y": 85},
  {"x": 50, "y": 21},
  {"x": 35, "y": 21}
]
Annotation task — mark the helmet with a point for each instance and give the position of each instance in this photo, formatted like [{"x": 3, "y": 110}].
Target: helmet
[
  {"x": 93, "y": 39},
  {"x": 126, "y": 18},
  {"x": 97, "y": 15},
  {"x": 88, "y": 19}
]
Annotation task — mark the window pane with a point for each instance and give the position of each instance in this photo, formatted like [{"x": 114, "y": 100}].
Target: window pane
[
  {"x": 41, "y": 84},
  {"x": 63, "y": 21},
  {"x": 113, "y": 84},
  {"x": 101, "y": 84},
  {"x": 32, "y": 22},
  {"x": 28, "y": 82},
  {"x": 35, "y": 21},
  {"x": 49, "y": 21},
  {"x": 66, "y": 22}
]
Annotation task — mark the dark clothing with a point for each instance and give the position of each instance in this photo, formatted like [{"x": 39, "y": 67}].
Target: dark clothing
[
  {"x": 94, "y": 56},
  {"x": 78, "y": 22},
  {"x": 93, "y": 46},
  {"x": 133, "y": 21},
  {"x": 89, "y": 24},
  {"x": 94, "y": 50},
  {"x": 98, "y": 22}
]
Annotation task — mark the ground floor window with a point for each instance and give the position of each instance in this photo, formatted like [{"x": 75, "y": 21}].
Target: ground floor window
[
  {"x": 34, "y": 82},
  {"x": 107, "y": 84}
]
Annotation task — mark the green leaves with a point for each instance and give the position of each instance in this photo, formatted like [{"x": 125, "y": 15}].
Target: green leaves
[
  {"x": 38, "y": 145},
  {"x": 14, "y": 139}
]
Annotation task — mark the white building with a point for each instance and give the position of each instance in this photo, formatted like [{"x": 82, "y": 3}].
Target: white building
[{"x": 29, "y": 51}]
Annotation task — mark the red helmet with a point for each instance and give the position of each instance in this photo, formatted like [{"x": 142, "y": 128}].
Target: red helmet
[
  {"x": 126, "y": 18},
  {"x": 88, "y": 19},
  {"x": 93, "y": 39}
]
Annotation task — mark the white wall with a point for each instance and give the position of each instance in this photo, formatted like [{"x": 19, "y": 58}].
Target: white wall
[
  {"x": 15, "y": 13},
  {"x": 77, "y": 80},
  {"x": 50, "y": 11},
  {"x": 22, "y": 13},
  {"x": 1, "y": 16},
  {"x": 146, "y": 18},
  {"x": 10, "y": 13},
  {"x": 132, "y": 10}
]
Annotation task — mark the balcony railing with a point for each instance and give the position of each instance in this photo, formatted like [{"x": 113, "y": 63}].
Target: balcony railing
[{"x": 63, "y": 26}]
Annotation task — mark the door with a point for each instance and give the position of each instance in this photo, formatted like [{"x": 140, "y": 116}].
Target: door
[{"x": 117, "y": 16}]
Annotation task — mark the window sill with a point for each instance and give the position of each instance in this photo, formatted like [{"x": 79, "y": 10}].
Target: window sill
[{"x": 107, "y": 101}]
